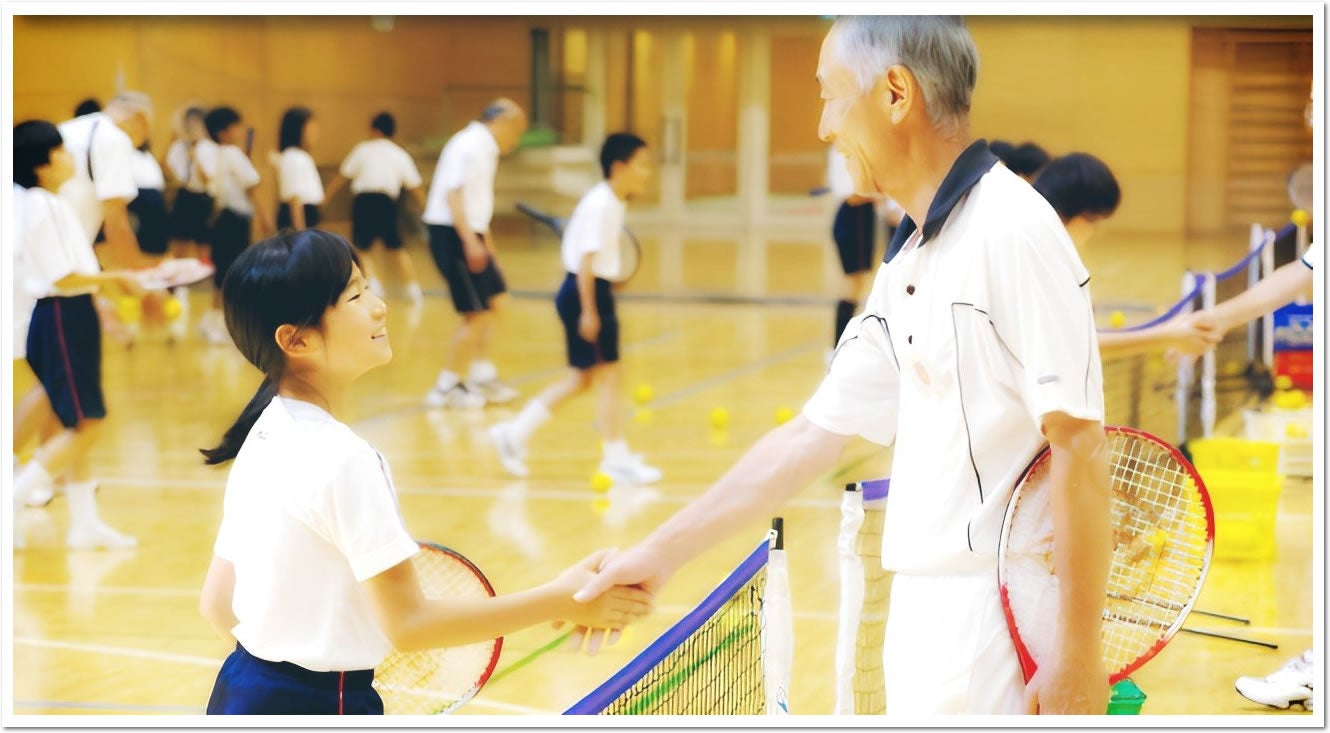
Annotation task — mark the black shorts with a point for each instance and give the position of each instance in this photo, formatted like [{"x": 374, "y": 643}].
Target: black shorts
[
  {"x": 65, "y": 352},
  {"x": 374, "y": 216},
  {"x": 247, "y": 685},
  {"x": 147, "y": 213},
  {"x": 190, "y": 214},
  {"x": 583, "y": 354},
  {"x": 854, "y": 235},
  {"x": 472, "y": 291},
  {"x": 230, "y": 237},
  {"x": 284, "y": 216}
]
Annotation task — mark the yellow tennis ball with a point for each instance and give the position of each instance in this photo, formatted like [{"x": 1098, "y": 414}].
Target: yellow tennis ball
[
  {"x": 1283, "y": 381},
  {"x": 783, "y": 414},
  {"x": 600, "y": 482},
  {"x": 643, "y": 394},
  {"x": 172, "y": 308},
  {"x": 642, "y": 415},
  {"x": 1117, "y": 319},
  {"x": 129, "y": 309},
  {"x": 1300, "y": 217},
  {"x": 720, "y": 418}
]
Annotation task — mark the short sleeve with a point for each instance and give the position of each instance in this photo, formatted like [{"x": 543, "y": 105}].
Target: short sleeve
[
  {"x": 1312, "y": 257},
  {"x": 177, "y": 159},
  {"x": 289, "y": 177},
  {"x": 246, "y": 175},
  {"x": 1041, "y": 308},
  {"x": 860, "y": 395},
  {"x": 112, "y": 157},
  {"x": 353, "y": 163},
  {"x": 228, "y": 541},
  {"x": 359, "y": 515},
  {"x": 410, "y": 174},
  {"x": 453, "y": 167},
  {"x": 40, "y": 242}
]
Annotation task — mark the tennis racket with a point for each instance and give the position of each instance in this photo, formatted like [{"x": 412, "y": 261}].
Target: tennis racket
[
  {"x": 439, "y": 681},
  {"x": 174, "y": 273},
  {"x": 1163, "y": 537},
  {"x": 630, "y": 250}
]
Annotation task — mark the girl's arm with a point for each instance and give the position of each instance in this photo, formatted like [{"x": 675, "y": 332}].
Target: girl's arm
[{"x": 215, "y": 601}]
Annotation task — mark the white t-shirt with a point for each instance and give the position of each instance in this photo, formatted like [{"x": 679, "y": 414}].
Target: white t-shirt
[
  {"x": 310, "y": 513},
  {"x": 148, "y": 172},
  {"x": 965, "y": 343},
  {"x": 23, "y": 300},
  {"x": 53, "y": 245},
  {"x": 1312, "y": 257},
  {"x": 595, "y": 229},
  {"x": 233, "y": 174},
  {"x": 298, "y": 177},
  {"x": 380, "y": 166},
  {"x": 191, "y": 173},
  {"x": 469, "y": 161},
  {"x": 112, "y": 157}
]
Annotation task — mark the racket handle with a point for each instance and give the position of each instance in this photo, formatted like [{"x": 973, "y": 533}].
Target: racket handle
[
  {"x": 1216, "y": 635},
  {"x": 819, "y": 191}
]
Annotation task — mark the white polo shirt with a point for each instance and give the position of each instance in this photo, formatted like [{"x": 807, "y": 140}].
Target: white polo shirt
[
  {"x": 469, "y": 161},
  {"x": 380, "y": 166},
  {"x": 298, "y": 177},
  {"x": 976, "y": 328},
  {"x": 96, "y": 139},
  {"x": 148, "y": 172},
  {"x": 191, "y": 173},
  {"x": 595, "y": 229},
  {"x": 49, "y": 245},
  {"x": 309, "y": 513},
  {"x": 233, "y": 174},
  {"x": 1312, "y": 256}
]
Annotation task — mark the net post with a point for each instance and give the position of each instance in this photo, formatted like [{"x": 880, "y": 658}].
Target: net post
[
  {"x": 1209, "y": 405},
  {"x": 778, "y": 527},
  {"x": 1182, "y": 391}
]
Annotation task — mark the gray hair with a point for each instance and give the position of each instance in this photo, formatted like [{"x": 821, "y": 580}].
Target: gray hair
[
  {"x": 132, "y": 103},
  {"x": 502, "y": 107},
  {"x": 937, "y": 49}
]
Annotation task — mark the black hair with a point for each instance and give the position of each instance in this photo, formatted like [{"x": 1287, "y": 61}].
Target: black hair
[
  {"x": 1003, "y": 150},
  {"x": 1079, "y": 184},
  {"x": 384, "y": 123},
  {"x": 219, "y": 119},
  {"x": 619, "y": 148},
  {"x": 1027, "y": 159},
  {"x": 33, "y": 142},
  {"x": 87, "y": 107},
  {"x": 292, "y": 278},
  {"x": 291, "y": 133}
]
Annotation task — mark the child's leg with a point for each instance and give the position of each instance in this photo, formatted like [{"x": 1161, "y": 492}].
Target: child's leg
[
  {"x": 609, "y": 401},
  {"x": 405, "y": 266}
]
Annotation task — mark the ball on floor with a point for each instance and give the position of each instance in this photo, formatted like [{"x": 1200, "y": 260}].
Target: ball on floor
[
  {"x": 1117, "y": 319},
  {"x": 601, "y": 482},
  {"x": 783, "y": 415},
  {"x": 720, "y": 418},
  {"x": 643, "y": 394},
  {"x": 1300, "y": 218}
]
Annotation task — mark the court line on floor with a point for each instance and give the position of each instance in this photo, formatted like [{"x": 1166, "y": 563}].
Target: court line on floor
[{"x": 115, "y": 706}]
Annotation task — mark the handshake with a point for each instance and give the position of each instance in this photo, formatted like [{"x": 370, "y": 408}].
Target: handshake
[{"x": 605, "y": 592}]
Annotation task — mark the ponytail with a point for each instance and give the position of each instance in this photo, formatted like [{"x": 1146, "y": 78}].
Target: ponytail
[{"x": 236, "y": 435}]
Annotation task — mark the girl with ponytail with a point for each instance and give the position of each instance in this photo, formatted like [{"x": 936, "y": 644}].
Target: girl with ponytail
[{"x": 311, "y": 574}]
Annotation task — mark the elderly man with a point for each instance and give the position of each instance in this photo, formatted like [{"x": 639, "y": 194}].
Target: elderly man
[
  {"x": 978, "y": 340},
  {"x": 458, "y": 212}
]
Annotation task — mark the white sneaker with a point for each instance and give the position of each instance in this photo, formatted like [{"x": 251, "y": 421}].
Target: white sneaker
[
  {"x": 458, "y": 397},
  {"x": 415, "y": 294},
  {"x": 630, "y": 470},
  {"x": 99, "y": 536},
  {"x": 39, "y": 496},
  {"x": 494, "y": 391},
  {"x": 1292, "y": 683},
  {"x": 512, "y": 454}
]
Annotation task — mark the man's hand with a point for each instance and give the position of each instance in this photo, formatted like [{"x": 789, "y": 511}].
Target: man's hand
[{"x": 638, "y": 567}]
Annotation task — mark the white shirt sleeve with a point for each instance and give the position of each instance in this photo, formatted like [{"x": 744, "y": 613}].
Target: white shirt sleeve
[
  {"x": 53, "y": 243},
  {"x": 410, "y": 173},
  {"x": 1312, "y": 257},
  {"x": 240, "y": 166},
  {"x": 1042, "y": 312},
  {"x": 359, "y": 514},
  {"x": 177, "y": 159},
  {"x": 351, "y": 166},
  {"x": 454, "y": 166},
  {"x": 112, "y": 159},
  {"x": 861, "y": 393}
]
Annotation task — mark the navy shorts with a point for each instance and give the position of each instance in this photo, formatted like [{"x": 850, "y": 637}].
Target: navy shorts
[
  {"x": 284, "y": 221},
  {"x": 471, "y": 291},
  {"x": 230, "y": 237},
  {"x": 65, "y": 352},
  {"x": 853, "y": 232},
  {"x": 190, "y": 214},
  {"x": 583, "y": 354},
  {"x": 148, "y": 213},
  {"x": 374, "y": 216},
  {"x": 247, "y": 685}
]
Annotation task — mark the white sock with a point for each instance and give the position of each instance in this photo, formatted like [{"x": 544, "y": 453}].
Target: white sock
[
  {"x": 414, "y": 292},
  {"x": 82, "y": 506},
  {"x": 532, "y": 416},
  {"x": 482, "y": 371},
  {"x": 446, "y": 381},
  {"x": 29, "y": 477},
  {"x": 616, "y": 450}
]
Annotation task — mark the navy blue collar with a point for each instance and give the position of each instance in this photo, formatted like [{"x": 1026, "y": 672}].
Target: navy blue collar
[{"x": 969, "y": 167}]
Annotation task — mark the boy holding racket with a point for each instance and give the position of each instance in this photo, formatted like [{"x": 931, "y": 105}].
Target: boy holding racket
[
  {"x": 978, "y": 342},
  {"x": 585, "y": 303},
  {"x": 312, "y": 574}
]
